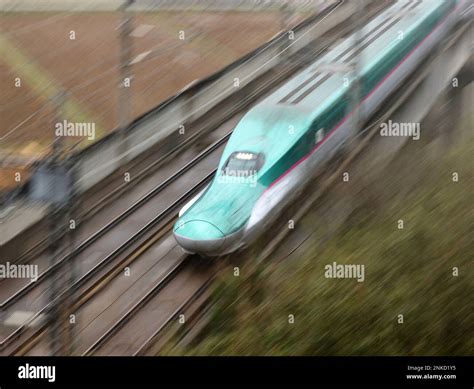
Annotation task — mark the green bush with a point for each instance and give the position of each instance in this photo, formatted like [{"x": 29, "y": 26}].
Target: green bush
[{"x": 407, "y": 272}]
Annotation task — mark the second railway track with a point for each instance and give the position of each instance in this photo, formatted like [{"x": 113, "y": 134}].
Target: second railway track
[
  {"x": 35, "y": 336},
  {"x": 104, "y": 271}
]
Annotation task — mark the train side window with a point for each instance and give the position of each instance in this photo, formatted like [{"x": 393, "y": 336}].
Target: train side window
[
  {"x": 319, "y": 135},
  {"x": 243, "y": 163}
]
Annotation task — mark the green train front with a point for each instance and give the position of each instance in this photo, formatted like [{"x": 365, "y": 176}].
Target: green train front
[
  {"x": 217, "y": 220},
  {"x": 280, "y": 143}
]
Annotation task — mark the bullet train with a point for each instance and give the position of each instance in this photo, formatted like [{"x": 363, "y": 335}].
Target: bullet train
[{"x": 282, "y": 141}]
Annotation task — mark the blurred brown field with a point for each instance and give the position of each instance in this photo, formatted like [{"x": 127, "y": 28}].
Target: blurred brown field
[{"x": 36, "y": 47}]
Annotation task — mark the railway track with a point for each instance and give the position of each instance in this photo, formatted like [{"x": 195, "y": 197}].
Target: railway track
[
  {"x": 143, "y": 169},
  {"x": 102, "y": 344},
  {"x": 192, "y": 310},
  {"x": 324, "y": 183},
  {"x": 134, "y": 331},
  {"x": 34, "y": 290},
  {"x": 140, "y": 170},
  {"x": 216, "y": 146},
  {"x": 110, "y": 266},
  {"x": 105, "y": 200},
  {"x": 42, "y": 260},
  {"x": 26, "y": 290}
]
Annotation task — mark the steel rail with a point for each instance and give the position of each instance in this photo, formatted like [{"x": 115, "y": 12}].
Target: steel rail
[
  {"x": 109, "y": 258},
  {"x": 165, "y": 280}
]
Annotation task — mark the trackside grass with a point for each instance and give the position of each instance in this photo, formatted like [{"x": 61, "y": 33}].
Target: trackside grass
[{"x": 408, "y": 272}]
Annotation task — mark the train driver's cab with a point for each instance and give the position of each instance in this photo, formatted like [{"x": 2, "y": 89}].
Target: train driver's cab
[{"x": 243, "y": 164}]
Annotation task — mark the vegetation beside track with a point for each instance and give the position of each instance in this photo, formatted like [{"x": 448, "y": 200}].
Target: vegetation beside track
[{"x": 408, "y": 272}]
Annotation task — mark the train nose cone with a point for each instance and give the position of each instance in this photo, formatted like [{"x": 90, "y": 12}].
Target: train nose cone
[{"x": 198, "y": 236}]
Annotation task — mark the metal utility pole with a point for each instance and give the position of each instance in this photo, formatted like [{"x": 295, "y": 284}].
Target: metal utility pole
[
  {"x": 70, "y": 268},
  {"x": 54, "y": 238},
  {"x": 54, "y": 231},
  {"x": 356, "y": 67},
  {"x": 124, "y": 99},
  {"x": 58, "y": 102},
  {"x": 49, "y": 181}
]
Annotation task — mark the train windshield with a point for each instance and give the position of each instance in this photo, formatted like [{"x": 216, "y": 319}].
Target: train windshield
[{"x": 242, "y": 163}]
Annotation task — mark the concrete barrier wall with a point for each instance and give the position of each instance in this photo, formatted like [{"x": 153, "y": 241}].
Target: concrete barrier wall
[
  {"x": 104, "y": 157},
  {"x": 153, "y": 5},
  {"x": 453, "y": 56}
]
